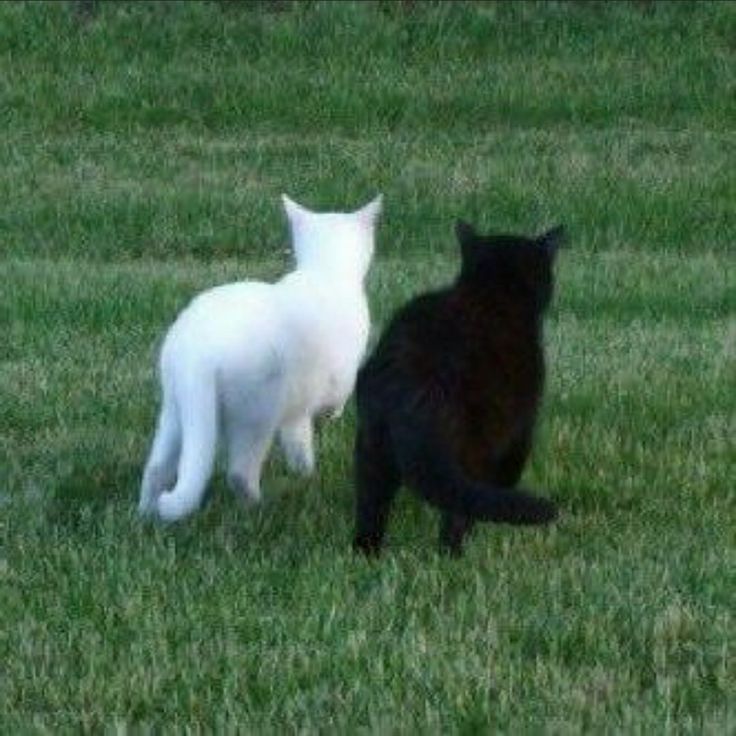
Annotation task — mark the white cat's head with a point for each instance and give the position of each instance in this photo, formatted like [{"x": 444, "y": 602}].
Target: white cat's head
[{"x": 336, "y": 243}]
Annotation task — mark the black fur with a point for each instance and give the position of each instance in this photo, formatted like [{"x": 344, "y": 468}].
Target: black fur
[{"x": 448, "y": 400}]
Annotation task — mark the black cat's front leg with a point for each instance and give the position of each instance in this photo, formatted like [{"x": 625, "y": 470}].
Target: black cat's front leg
[
  {"x": 453, "y": 529},
  {"x": 377, "y": 480}
]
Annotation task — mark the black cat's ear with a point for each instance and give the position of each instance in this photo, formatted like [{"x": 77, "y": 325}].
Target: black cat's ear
[
  {"x": 553, "y": 239},
  {"x": 464, "y": 231},
  {"x": 466, "y": 237}
]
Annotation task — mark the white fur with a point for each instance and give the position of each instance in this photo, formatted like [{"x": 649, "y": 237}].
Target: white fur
[{"x": 255, "y": 359}]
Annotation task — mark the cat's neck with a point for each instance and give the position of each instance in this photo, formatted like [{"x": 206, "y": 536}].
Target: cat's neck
[
  {"x": 497, "y": 306},
  {"x": 346, "y": 291},
  {"x": 340, "y": 277}
]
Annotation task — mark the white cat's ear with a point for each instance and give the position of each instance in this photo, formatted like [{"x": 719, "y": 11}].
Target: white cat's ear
[
  {"x": 369, "y": 214},
  {"x": 294, "y": 211}
]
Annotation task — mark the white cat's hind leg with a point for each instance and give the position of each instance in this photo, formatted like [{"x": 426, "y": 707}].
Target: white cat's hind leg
[
  {"x": 198, "y": 413},
  {"x": 250, "y": 424},
  {"x": 297, "y": 441},
  {"x": 246, "y": 454},
  {"x": 160, "y": 471},
  {"x": 248, "y": 445}
]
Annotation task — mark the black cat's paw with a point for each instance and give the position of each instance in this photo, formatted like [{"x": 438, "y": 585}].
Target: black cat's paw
[
  {"x": 541, "y": 511},
  {"x": 367, "y": 546},
  {"x": 453, "y": 551}
]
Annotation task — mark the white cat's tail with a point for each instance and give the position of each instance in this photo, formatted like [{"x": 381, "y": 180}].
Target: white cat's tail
[
  {"x": 197, "y": 405},
  {"x": 160, "y": 472}
]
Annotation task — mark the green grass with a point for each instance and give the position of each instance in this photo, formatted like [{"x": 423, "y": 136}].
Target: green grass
[{"x": 141, "y": 159}]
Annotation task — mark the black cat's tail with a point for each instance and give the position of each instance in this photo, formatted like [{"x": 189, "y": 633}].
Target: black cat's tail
[{"x": 429, "y": 470}]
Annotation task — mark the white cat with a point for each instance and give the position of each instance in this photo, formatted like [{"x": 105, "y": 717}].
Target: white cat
[{"x": 255, "y": 358}]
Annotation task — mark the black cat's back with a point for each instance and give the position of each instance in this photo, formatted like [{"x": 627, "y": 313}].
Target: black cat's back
[
  {"x": 448, "y": 399},
  {"x": 400, "y": 366}
]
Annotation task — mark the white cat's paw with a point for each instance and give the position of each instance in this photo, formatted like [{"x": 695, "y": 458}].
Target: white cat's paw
[
  {"x": 301, "y": 461},
  {"x": 243, "y": 491},
  {"x": 298, "y": 447},
  {"x": 172, "y": 507},
  {"x": 336, "y": 413}
]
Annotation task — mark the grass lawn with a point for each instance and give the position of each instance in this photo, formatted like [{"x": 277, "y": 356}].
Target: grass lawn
[{"x": 142, "y": 152}]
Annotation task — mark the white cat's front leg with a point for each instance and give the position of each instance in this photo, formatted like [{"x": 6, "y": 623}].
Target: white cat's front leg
[{"x": 297, "y": 441}]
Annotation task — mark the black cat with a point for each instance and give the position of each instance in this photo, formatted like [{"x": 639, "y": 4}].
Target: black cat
[{"x": 447, "y": 402}]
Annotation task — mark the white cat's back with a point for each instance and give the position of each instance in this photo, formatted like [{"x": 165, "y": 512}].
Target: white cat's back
[
  {"x": 228, "y": 327},
  {"x": 309, "y": 329}
]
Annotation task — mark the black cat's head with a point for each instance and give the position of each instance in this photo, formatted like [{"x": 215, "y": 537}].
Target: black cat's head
[{"x": 514, "y": 265}]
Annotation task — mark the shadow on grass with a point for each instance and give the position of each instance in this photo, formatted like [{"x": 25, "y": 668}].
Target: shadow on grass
[
  {"x": 297, "y": 517},
  {"x": 299, "y": 522},
  {"x": 86, "y": 490}
]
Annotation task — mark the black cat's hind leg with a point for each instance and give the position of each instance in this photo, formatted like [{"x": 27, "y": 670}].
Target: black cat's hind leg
[
  {"x": 504, "y": 472},
  {"x": 377, "y": 479}
]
